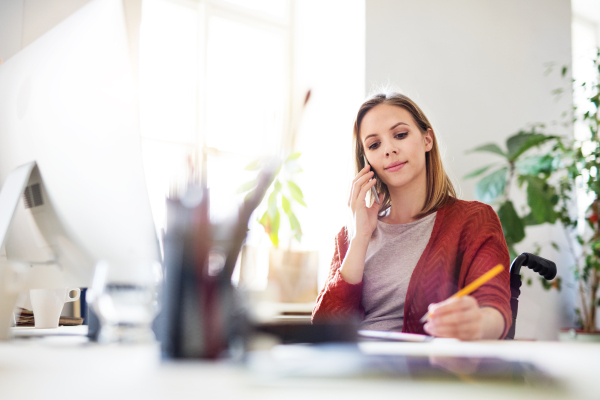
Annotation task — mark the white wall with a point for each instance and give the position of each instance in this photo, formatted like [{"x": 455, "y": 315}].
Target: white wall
[
  {"x": 23, "y": 21},
  {"x": 39, "y": 16},
  {"x": 11, "y": 22},
  {"x": 476, "y": 67}
]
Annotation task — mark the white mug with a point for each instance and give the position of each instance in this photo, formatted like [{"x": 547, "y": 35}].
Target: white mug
[{"x": 47, "y": 304}]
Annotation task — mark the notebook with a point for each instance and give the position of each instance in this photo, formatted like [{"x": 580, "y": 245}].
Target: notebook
[{"x": 398, "y": 336}]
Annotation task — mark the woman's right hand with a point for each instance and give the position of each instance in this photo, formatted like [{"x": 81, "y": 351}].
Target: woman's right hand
[
  {"x": 365, "y": 218},
  {"x": 365, "y": 222}
]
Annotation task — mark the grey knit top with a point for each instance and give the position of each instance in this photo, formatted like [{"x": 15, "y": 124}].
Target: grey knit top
[{"x": 392, "y": 255}]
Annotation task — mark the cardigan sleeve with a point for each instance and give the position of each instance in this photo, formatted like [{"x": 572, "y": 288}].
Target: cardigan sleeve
[
  {"x": 338, "y": 299},
  {"x": 486, "y": 248}
]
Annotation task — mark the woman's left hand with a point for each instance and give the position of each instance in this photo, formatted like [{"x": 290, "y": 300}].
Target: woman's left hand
[{"x": 459, "y": 318}]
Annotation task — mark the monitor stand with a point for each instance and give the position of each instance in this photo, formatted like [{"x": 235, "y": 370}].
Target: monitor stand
[{"x": 11, "y": 278}]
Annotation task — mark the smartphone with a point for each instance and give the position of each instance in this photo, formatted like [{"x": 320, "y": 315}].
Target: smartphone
[{"x": 373, "y": 191}]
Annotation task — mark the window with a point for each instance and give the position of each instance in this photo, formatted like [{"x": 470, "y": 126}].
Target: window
[
  {"x": 215, "y": 83},
  {"x": 216, "y": 80}
]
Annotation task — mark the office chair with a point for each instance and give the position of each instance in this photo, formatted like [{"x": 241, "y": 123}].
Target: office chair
[{"x": 545, "y": 268}]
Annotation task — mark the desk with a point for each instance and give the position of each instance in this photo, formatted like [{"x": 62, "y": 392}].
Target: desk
[{"x": 60, "y": 367}]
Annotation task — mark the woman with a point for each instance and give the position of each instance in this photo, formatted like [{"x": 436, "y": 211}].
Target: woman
[{"x": 407, "y": 256}]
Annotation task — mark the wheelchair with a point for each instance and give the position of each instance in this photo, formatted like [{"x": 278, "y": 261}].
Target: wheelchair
[{"x": 544, "y": 267}]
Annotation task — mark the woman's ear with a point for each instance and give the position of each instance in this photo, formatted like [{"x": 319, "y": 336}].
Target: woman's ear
[{"x": 428, "y": 139}]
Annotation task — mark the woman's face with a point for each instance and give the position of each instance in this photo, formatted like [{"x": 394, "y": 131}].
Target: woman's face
[{"x": 394, "y": 145}]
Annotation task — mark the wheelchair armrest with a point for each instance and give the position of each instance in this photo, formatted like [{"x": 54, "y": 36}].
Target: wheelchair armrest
[{"x": 542, "y": 266}]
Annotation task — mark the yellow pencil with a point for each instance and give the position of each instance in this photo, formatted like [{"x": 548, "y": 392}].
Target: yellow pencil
[{"x": 471, "y": 287}]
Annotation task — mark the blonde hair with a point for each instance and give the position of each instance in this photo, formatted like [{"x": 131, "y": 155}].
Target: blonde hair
[{"x": 440, "y": 190}]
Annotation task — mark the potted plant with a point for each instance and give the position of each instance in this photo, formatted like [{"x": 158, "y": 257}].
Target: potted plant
[
  {"x": 579, "y": 178},
  {"x": 292, "y": 273},
  {"x": 284, "y": 192},
  {"x": 566, "y": 170}
]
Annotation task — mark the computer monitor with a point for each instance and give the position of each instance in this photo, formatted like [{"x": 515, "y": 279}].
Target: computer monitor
[{"x": 69, "y": 114}]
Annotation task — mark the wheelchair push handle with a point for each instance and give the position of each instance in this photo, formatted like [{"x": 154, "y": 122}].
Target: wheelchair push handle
[{"x": 542, "y": 266}]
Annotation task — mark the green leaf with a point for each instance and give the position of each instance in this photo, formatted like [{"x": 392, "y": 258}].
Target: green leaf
[
  {"x": 545, "y": 284},
  {"x": 478, "y": 172},
  {"x": 254, "y": 165},
  {"x": 271, "y": 225},
  {"x": 540, "y": 198},
  {"x": 530, "y": 220},
  {"x": 535, "y": 165},
  {"x": 523, "y": 141},
  {"x": 264, "y": 221},
  {"x": 490, "y": 148},
  {"x": 285, "y": 204},
  {"x": 491, "y": 186},
  {"x": 246, "y": 186},
  {"x": 274, "y": 231},
  {"x": 298, "y": 230},
  {"x": 294, "y": 223},
  {"x": 296, "y": 193},
  {"x": 293, "y": 156},
  {"x": 514, "y": 142},
  {"x": 512, "y": 226},
  {"x": 272, "y": 204},
  {"x": 555, "y": 246},
  {"x": 563, "y": 72}
]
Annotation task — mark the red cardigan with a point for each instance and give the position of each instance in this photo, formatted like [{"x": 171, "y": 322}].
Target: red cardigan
[{"x": 466, "y": 241}]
